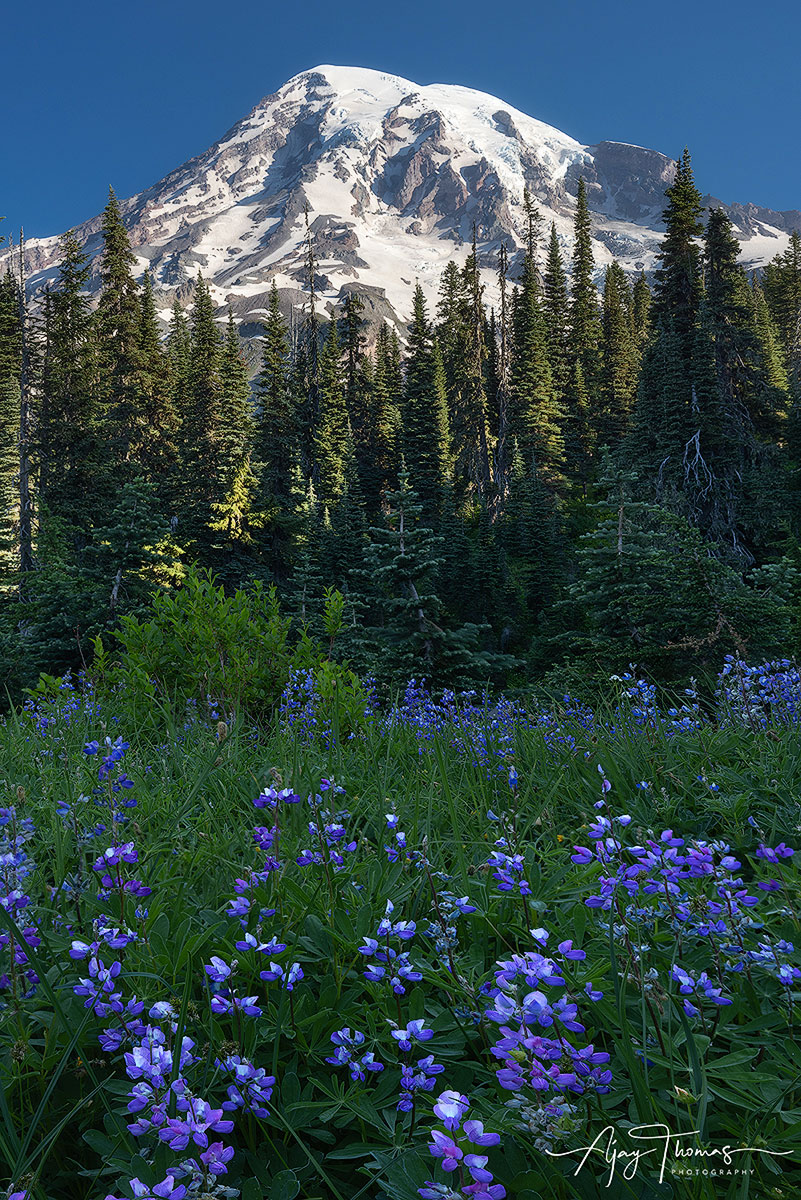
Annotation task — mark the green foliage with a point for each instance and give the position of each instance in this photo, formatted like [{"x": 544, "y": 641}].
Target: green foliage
[
  {"x": 648, "y": 591},
  {"x": 229, "y": 653},
  {"x": 731, "y": 1073}
]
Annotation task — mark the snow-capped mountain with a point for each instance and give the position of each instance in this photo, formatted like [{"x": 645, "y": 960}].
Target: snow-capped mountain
[{"x": 394, "y": 177}]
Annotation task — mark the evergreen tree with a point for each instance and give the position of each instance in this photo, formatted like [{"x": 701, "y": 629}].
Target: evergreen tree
[
  {"x": 619, "y": 361},
  {"x": 235, "y": 481},
  {"x": 119, "y": 321},
  {"x": 68, "y": 448},
  {"x": 532, "y": 538},
  {"x": 648, "y": 591},
  {"x": 379, "y": 445},
  {"x": 277, "y": 445},
  {"x": 578, "y": 432},
  {"x": 783, "y": 295},
  {"x": 556, "y": 308},
  {"x": 402, "y": 560},
  {"x": 157, "y": 410},
  {"x": 536, "y": 416},
  {"x": 10, "y": 353},
  {"x": 585, "y": 324},
  {"x": 332, "y": 441},
  {"x": 503, "y": 385},
  {"x": 475, "y": 457},
  {"x": 640, "y": 312},
  {"x": 677, "y": 286},
  {"x": 426, "y": 432}
]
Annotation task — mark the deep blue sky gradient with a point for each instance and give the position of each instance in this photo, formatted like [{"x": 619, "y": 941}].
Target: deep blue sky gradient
[{"x": 96, "y": 93}]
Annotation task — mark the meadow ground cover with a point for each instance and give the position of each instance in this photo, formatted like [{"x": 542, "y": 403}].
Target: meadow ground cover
[{"x": 461, "y": 949}]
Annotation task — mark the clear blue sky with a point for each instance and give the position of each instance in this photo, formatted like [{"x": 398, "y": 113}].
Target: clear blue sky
[{"x": 96, "y": 93}]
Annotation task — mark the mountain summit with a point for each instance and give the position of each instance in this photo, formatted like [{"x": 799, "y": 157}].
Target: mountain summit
[{"x": 393, "y": 178}]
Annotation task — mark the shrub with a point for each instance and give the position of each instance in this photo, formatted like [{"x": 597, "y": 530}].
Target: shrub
[{"x": 224, "y": 652}]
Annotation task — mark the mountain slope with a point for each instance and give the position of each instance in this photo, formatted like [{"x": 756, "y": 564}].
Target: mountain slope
[{"x": 394, "y": 177}]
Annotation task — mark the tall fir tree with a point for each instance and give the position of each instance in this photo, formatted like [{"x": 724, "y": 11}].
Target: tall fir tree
[
  {"x": 536, "y": 415},
  {"x": 426, "y": 429},
  {"x": 333, "y": 436},
  {"x": 277, "y": 447},
  {"x": 119, "y": 319},
  {"x": 677, "y": 280},
  {"x": 556, "y": 309},
  {"x": 235, "y": 480},
  {"x": 619, "y": 361},
  {"x": 585, "y": 323},
  {"x": 69, "y": 451},
  {"x": 10, "y": 355}
]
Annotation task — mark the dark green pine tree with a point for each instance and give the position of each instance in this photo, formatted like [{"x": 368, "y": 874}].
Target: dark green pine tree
[
  {"x": 277, "y": 447},
  {"x": 772, "y": 361},
  {"x": 535, "y": 413},
  {"x": 133, "y": 553},
  {"x": 782, "y": 283},
  {"x": 677, "y": 281},
  {"x": 578, "y": 431},
  {"x": 475, "y": 458},
  {"x": 648, "y": 591},
  {"x": 661, "y": 421},
  {"x": 157, "y": 410},
  {"x": 235, "y": 480},
  {"x": 406, "y": 628},
  {"x": 556, "y": 309},
  {"x": 333, "y": 436},
  {"x": 532, "y": 537},
  {"x": 745, "y": 468},
  {"x": 306, "y": 375},
  {"x": 394, "y": 366},
  {"x": 342, "y": 533},
  {"x": 585, "y": 322},
  {"x": 503, "y": 385},
  {"x": 179, "y": 384},
  {"x": 662, "y": 418},
  {"x": 452, "y": 338},
  {"x": 198, "y": 432},
  {"x": 119, "y": 321},
  {"x": 378, "y": 455},
  {"x": 640, "y": 312},
  {"x": 69, "y": 451},
  {"x": 620, "y": 361},
  {"x": 10, "y": 354},
  {"x": 357, "y": 369},
  {"x": 426, "y": 430}
]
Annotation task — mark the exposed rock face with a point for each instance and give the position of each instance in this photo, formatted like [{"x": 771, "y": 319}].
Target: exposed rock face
[{"x": 394, "y": 178}]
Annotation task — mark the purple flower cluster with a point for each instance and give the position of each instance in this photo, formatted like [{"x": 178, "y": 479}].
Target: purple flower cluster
[
  {"x": 329, "y": 831},
  {"x": 455, "y": 1146},
  {"x": 531, "y": 1059},
  {"x": 694, "y": 888},
  {"x": 349, "y": 1054},
  {"x": 252, "y": 1087},
  {"x": 388, "y": 964},
  {"x": 16, "y": 866}
]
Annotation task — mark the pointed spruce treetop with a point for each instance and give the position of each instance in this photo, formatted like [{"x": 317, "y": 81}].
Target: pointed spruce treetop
[{"x": 677, "y": 287}]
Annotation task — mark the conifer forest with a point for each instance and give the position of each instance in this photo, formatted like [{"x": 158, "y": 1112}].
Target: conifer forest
[
  {"x": 399, "y": 757},
  {"x": 548, "y": 491}
]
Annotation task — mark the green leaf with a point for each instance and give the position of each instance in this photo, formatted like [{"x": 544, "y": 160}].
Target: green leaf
[{"x": 284, "y": 1186}]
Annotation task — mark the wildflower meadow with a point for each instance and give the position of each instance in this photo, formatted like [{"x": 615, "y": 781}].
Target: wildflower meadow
[{"x": 457, "y": 947}]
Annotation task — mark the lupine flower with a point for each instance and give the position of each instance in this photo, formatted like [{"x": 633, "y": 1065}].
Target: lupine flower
[
  {"x": 450, "y": 1108},
  {"x": 168, "y": 1189},
  {"x": 414, "y": 1032},
  {"x": 194, "y": 1126},
  {"x": 346, "y": 1054},
  {"x": 252, "y": 1087}
]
